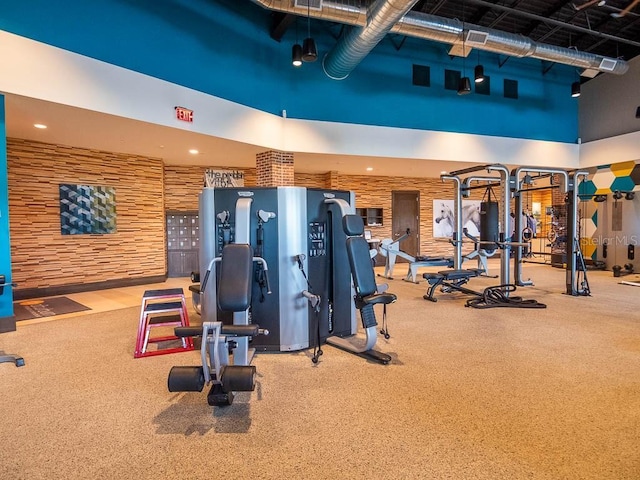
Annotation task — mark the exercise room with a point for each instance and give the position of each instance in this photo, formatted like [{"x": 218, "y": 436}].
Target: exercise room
[{"x": 320, "y": 238}]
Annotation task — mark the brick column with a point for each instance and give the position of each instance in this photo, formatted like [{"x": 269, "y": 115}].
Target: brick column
[{"x": 274, "y": 169}]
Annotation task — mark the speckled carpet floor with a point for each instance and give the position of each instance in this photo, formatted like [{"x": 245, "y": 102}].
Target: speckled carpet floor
[{"x": 470, "y": 394}]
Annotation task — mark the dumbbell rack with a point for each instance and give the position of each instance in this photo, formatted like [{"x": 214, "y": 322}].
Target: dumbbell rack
[{"x": 162, "y": 308}]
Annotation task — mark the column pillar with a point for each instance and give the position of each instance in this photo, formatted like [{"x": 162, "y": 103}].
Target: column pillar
[{"x": 274, "y": 169}]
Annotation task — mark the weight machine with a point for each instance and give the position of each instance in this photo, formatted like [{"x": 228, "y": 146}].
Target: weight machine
[{"x": 576, "y": 273}]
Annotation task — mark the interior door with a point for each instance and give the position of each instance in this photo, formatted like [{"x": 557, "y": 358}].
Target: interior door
[{"x": 405, "y": 214}]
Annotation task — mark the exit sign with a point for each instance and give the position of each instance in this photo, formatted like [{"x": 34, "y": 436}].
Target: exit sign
[{"x": 184, "y": 114}]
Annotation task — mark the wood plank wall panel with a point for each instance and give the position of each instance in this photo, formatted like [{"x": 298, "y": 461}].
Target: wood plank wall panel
[
  {"x": 184, "y": 183},
  {"x": 312, "y": 180},
  {"x": 375, "y": 192},
  {"x": 145, "y": 190},
  {"x": 42, "y": 257}
]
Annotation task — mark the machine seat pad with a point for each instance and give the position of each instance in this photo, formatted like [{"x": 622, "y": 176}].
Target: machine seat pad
[
  {"x": 432, "y": 277},
  {"x": 195, "y": 288},
  {"x": 459, "y": 274},
  {"x": 376, "y": 298}
]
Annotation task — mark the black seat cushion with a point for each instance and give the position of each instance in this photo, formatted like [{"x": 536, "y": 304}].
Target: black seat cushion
[{"x": 234, "y": 291}]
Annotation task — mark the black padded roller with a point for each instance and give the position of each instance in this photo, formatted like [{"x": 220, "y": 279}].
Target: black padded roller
[
  {"x": 187, "y": 331},
  {"x": 186, "y": 379},
  {"x": 240, "y": 330},
  {"x": 238, "y": 378}
]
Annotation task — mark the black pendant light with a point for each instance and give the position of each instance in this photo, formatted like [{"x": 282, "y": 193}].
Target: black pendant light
[
  {"x": 296, "y": 55},
  {"x": 296, "y": 50},
  {"x": 575, "y": 89},
  {"x": 464, "y": 87},
  {"x": 478, "y": 72},
  {"x": 309, "y": 49}
]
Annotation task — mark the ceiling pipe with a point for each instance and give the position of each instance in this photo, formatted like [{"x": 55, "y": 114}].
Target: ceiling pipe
[
  {"x": 357, "y": 42},
  {"x": 552, "y": 21},
  {"x": 451, "y": 31}
]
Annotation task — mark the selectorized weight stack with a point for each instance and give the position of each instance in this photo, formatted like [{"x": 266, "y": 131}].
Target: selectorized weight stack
[
  {"x": 277, "y": 276},
  {"x": 287, "y": 227}
]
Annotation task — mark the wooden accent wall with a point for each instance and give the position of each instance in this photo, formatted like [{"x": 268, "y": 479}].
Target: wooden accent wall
[
  {"x": 182, "y": 184},
  {"x": 42, "y": 257},
  {"x": 375, "y": 192},
  {"x": 145, "y": 190}
]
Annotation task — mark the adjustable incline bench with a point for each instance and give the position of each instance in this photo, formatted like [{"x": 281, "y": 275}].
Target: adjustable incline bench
[{"x": 450, "y": 280}]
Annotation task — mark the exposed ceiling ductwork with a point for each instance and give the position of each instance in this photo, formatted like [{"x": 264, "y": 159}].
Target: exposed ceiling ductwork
[
  {"x": 341, "y": 60},
  {"x": 357, "y": 42}
]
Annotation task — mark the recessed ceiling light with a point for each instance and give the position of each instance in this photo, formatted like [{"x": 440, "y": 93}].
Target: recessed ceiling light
[
  {"x": 369, "y": 169},
  {"x": 40, "y": 125},
  {"x": 193, "y": 151}
]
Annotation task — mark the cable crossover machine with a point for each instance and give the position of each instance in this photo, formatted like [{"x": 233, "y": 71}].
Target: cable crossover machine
[{"x": 495, "y": 235}]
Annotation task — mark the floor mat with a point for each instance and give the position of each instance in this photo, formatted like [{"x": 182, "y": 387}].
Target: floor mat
[{"x": 48, "y": 307}]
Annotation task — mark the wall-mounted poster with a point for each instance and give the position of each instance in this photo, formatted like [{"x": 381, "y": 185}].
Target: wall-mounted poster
[
  {"x": 444, "y": 218},
  {"x": 87, "y": 209}
]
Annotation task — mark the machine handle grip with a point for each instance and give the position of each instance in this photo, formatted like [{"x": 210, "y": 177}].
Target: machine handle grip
[{"x": 265, "y": 269}]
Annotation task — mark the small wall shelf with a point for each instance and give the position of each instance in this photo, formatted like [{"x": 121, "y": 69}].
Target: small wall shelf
[{"x": 372, "y": 217}]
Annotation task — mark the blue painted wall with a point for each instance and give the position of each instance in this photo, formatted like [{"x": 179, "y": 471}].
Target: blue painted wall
[
  {"x": 223, "y": 48},
  {"x": 6, "y": 299}
]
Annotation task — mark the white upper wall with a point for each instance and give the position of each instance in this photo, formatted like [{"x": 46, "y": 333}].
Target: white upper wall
[
  {"x": 609, "y": 128},
  {"x": 36, "y": 70},
  {"x": 608, "y": 103}
]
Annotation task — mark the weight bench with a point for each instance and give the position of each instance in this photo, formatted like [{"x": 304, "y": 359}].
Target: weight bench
[
  {"x": 450, "y": 280},
  {"x": 412, "y": 273}
]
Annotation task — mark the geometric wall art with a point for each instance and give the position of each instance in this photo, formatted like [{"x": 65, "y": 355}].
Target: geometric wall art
[{"x": 87, "y": 209}]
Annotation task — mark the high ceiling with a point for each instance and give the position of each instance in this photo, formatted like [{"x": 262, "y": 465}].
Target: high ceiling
[
  {"x": 610, "y": 28},
  {"x": 588, "y": 25},
  {"x": 603, "y": 27}
]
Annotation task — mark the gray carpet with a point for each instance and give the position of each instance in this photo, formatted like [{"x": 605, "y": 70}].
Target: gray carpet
[
  {"x": 470, "y": 394},
  {"x": 48, "y": 307}
]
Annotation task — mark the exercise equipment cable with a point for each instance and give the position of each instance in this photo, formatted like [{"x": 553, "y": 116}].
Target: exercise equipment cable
[
  {"x": 317, "y": 350},
  {"x": 497, "y": 297}
]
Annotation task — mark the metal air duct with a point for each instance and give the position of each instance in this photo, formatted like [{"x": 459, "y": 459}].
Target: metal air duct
[
  {"x": 357, "y": 42},
  {"x": 431, "y": 27}
]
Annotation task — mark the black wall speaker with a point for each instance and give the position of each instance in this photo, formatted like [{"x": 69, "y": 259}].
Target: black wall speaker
[{"x": 638, "y": 112}]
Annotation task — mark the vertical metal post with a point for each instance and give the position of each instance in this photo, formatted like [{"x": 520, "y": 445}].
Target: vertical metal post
[
  {"x": 505, "y": 254},
  {"x": 573, "y": 243},
  {"x": 457, "y": 234}
]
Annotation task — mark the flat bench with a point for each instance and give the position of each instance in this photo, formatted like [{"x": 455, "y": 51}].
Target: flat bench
[{"x": 450, "y": 280}]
